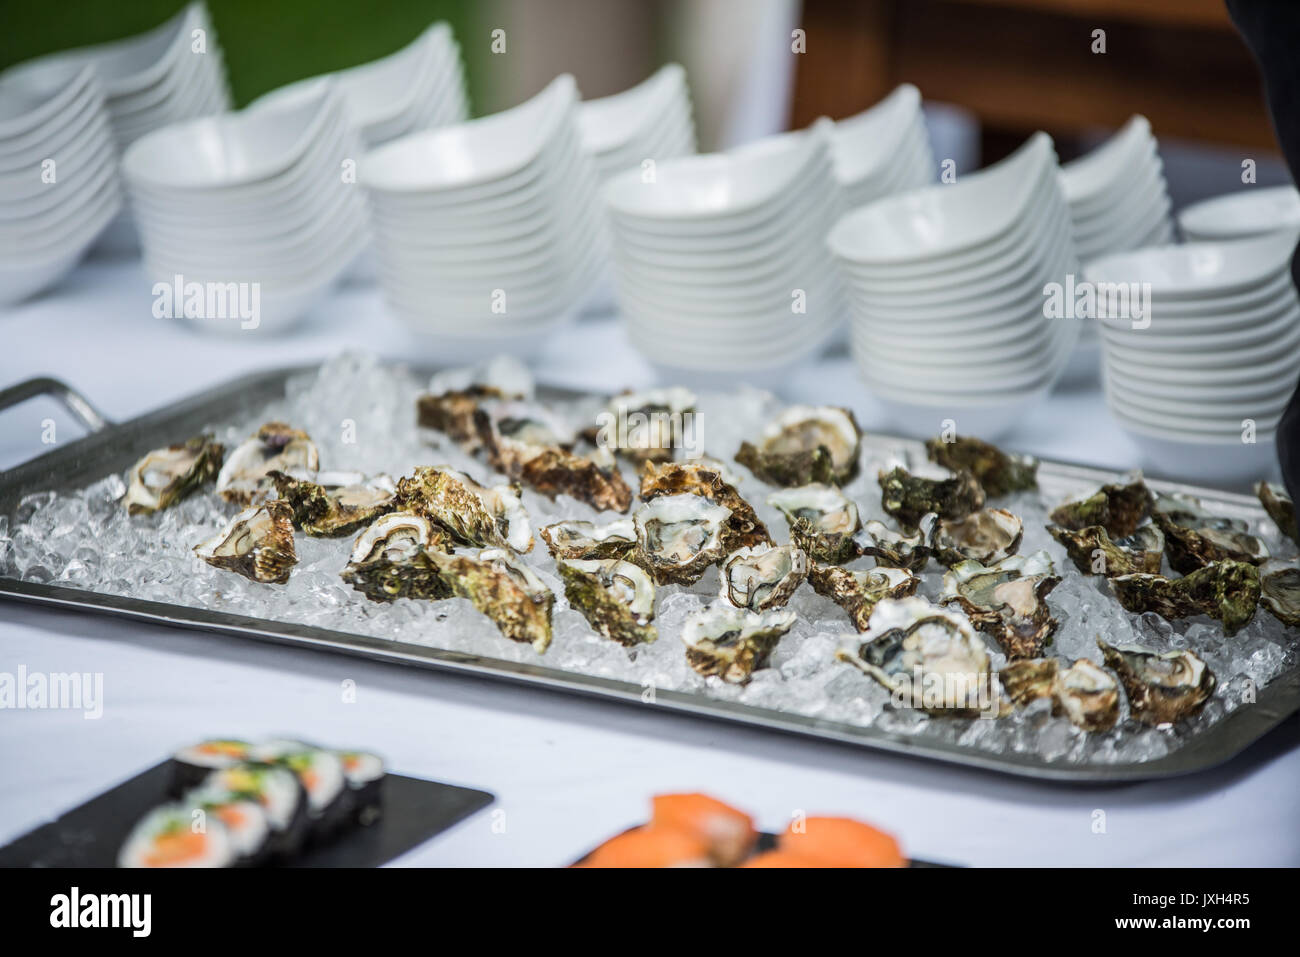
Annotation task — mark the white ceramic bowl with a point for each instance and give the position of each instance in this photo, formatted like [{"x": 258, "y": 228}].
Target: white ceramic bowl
[
  {"x": 1195, "y": 270},
  {"x": 1252, "y": 211}
]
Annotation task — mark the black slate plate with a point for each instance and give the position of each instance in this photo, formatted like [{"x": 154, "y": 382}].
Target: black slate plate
[
  {"x": 92, "y": 834},
  {"x": 767, "y": 842}
]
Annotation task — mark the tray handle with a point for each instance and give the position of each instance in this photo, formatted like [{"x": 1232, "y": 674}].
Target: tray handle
[{"x": 72, "y": 400}]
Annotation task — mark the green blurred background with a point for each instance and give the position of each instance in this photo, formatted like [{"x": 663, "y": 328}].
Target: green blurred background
[{"x": 267, "y": 43}]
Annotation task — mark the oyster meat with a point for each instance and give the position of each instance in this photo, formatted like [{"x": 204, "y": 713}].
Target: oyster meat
[
  {"x": 389, "y": 559},
  {"x": 257, "y": 543},
  {"x": 929, "y": 657},
  {"x": 1162, "y": 688},
  {"x": 330, "y": 504},
  {"x": 822, "y": 521},
  {"x": 1007, "y": 600},
  {"x": 910, "y": 550},
  {"x": 1117, "y": 508},
  {"x": 679, "y": 536},
  {"x": 1083, "y": 692},
  {"x": 1227, "y": 591},
  {"x": 1277, "y": 502},
  {"x": 167, "y": 475},
  {"x": 1094, "y": 552},
  {"x": 909, "y": 498},
  {"x": 986, "y": 536},
  {"x": 1279, "y": 592},
  {"x": 1193, "y": 541},
  {"x": 647, "y": 426},
  {"x": 588, "y": 541},
  {"x": 805, "y": 445},
  {"x": 707, "y": 479},
  {"x": 857, "y": 592},
  {"x": 997, "y": 472},
  {"x": 763, "y": 577},
  {"x": 732, "y": 643},
  {"x": 244, "y": 478},
  {"x": 504, "y": 589},
  {"x": 472, "y": 514},
  {"x": 617, "y": 598}
]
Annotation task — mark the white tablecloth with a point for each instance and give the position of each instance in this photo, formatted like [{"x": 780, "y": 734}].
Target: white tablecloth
[{"x": 567, "y": 772}]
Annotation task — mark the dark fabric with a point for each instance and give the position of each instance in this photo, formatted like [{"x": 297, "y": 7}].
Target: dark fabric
[{"x": 1271, "y": 29}]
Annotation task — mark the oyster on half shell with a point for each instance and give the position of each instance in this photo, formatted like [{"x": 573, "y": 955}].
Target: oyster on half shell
[
  {"x": 822, "y": 521},
  {"x": 1117, "y": 508},
  {"x": 587, "y": 541},
  {"x": 1194, "y": 542},
  {"x": 1007, "y": 600},
  {"x": 679, "y": 536},
  {"x": 1277, "y": 502},
  {"x": 455, "y": 413},
  {"x": 857, "y": 592},
  {"x": 997, "y": 472},
  {"x": 909, "y": 498},
  {"x": 732, "y": 643},
  {"x": 244, "y": 478},
  {"x": 1227, "y": 591},
  {"x": 164, "y": 476},
  {"x": 744, "y": 528},
  {"x": 762, "y": 577},
  {"x": 929, "y": 658},
  {"x": 1279, "y": 592},
  {"x": 257, "y": 543},
  {"x": 1085, "y": 693},
  {"x": 1094, "y": 552},
  {"x": 803, "y": 445},
  {"x": 389, "y": 559},
  {"x": 910, "y": 550},
  {"x": 647, "y": 426},
  {"x": 471, "y": 513},
  {"x": 329, "y": 504},
  {"x": 987, "y": 536},
  {"x": 617, "y": 598},
  {"x": 504, "y": 589},
  {"x": 1162, "y": 688}
]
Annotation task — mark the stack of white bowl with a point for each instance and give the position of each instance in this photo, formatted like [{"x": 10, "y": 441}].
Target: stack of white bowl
[
  {"x": 487, "y": 233},
  {"x": 420, "y": 86},
  {"x": 650, "y": 121},
  {"x": 1201, "y": 381},
  {"x": 718, "y": 258},
  {"x": 261, "y": 198},
  {"x": 59, "y": 186},
  {"x": 947, "y": 286},
  {"x": 1252, "y": 211},
  {"x": 883, "y": 150},
  {"x": 1119, "y": 200}
]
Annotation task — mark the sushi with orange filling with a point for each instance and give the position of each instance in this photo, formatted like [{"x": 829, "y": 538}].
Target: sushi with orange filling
[
  {"x": 651, "y": 846},
  {"x": 730, "y": 834},
  {"x": 173, "y": 836},
  {"x": 192, "y": 765},
  {"x": 840, "y": 842}
]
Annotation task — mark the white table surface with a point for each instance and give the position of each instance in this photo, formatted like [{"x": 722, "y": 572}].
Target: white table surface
[{"x": 567, "y": 772}]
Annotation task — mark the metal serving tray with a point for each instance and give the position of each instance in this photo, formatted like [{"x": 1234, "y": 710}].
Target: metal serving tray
[{"x": 114, "y": 447}]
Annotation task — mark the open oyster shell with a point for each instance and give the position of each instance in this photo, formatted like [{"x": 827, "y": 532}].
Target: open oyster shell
[
  {"x": 762, "y": 577},
  {"x": 1193, "y": 541},
  {"x": 894, "y": 549},
  {"x": 732, "y": 643},
  {"x": 987, "y": 536},
  {"x": 1083, "y": 692},
  {"x": 647, "y": 426},
  {"x": 1277, "y": 502},
  {"x": 679, "y": 536},
  {"x": 588, "y": 541},
  {"x": 1279, "y": 592},
  {"x": 257, "y": 543},
  {"x": 1117, "y": 508},
  {"x": 857, "y": 592},
  {"x": 505, "y": 590},
  {"x": 330, "y": 504},
  {"x": 1094, "y": 552},
  {"x": 744, "y": 528},
  {"x": 472, "y": 514},
  {"x": 164, "y": 476},
  {"x": 1007, "y": 600},
  {"x": 805, "y": 444},
  {"x": 909, "y": 498},
  {"x": 822, "y": 521},
  {"x": 997, "y": 472},
  {"x": 929, "y": 657},
  {"x": 1227, "y": 591},
  {"x": 455, "y": 413},
  {"x": 1162, "y": 688},
  {"x": 617, "y": 598},
  {"x": 244, "y": 478},
  {"x": 389, "y": 559}
]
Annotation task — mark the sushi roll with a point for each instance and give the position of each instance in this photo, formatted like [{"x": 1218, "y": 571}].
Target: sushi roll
[
  {"x": 195, "y": 763},
  {"x": 168, "y": 836},
  {"x": 244, "y": 819},
  {"x": 365, "y": 776},
  {"x": 329, "y": 800},
  {"x": 729, "y": 833},
  {"x": 278, "y": 792},
  {"x": 841, "y": 842}
]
